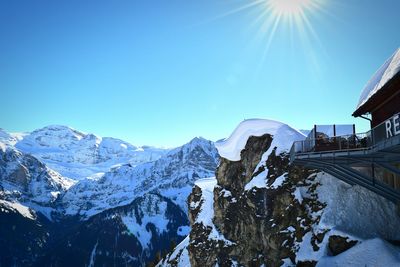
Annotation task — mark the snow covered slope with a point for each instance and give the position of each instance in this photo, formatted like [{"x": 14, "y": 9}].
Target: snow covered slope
[
  {"x": 372, "y": 252},
  {"x": 350, "y": 211},
  {"x": 25, "y": 179},
  {"x": 77, "y": 155},
  {"x": 10, "y": 138},
  {"x": 8, "y": 206},
  {"x": 172, "y": 175},
  {"x": 283, "y": 134}
]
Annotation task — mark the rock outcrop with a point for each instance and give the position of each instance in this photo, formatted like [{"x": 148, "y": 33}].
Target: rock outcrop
[
  {"x": 260, "y": 222},
  {"x": 262, "y": 211}
]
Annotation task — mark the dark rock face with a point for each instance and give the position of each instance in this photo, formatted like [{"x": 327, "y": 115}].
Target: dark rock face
[
  {"x": 234, "y": 175},
  {"x": 338, "y": 244},
  {"x": 263, "y": 224}
]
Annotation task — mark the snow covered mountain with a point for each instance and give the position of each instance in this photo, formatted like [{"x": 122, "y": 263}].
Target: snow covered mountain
[
  {"x": 77, "y": 155},
  {"x": 135, "y": 196},
  {"x": 261, "y": 211},
  {"x": 28, "y": 181},
  {"x": 10, "y": 138},
  {"x": 172, "y": 175}
]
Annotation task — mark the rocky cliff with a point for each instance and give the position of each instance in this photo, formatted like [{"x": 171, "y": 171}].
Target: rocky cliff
[{"x": 261, "y": 211}]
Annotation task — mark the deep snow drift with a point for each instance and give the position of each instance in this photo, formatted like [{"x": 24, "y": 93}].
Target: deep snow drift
[{"x": 283, "y": 134}]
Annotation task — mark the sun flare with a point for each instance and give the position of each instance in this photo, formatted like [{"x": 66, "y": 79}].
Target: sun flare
[
  {"x": 276, "y": 18},
  {"x": 289, "y": 7}
]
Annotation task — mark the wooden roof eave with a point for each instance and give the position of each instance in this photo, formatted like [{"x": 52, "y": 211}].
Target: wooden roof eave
[{"x": 382, "y": 96}]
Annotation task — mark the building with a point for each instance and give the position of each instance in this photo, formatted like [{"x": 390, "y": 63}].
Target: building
[{"x": 370, "y": 159}]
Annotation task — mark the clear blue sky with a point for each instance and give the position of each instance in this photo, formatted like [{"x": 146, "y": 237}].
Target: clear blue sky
[{"x": 161, "y": 72}]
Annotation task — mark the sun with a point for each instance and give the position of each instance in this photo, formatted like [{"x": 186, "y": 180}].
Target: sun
[
  {"x": 288, "y": 7},
  {"x": 293, "y": 19}
]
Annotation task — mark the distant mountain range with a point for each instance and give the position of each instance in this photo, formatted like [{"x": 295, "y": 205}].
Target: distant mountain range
[{"x": 102, "y": 199}]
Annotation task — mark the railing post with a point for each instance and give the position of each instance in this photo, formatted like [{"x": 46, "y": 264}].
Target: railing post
[
  {"x": 315, "y": 131},
  {"x": 371, "y": 137},
  {"x": 373, "y": 174}
]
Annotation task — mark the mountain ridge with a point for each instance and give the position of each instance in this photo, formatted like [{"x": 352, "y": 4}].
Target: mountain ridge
[{"x": 64, "y": 211}]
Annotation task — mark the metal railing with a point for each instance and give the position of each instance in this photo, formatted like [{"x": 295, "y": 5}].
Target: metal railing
[{"x": 342, "y": 143}]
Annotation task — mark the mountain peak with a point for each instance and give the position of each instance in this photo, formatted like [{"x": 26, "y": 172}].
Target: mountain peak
[
  {"x": 59, "y": 128},
  {"x": 198, "y": 140},
  {"x": 10, "y": 138}
]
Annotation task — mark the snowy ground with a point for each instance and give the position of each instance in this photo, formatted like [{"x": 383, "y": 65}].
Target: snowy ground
[
  {"x": 357, "y": 213},
  {"x": 372, "y": 252}
]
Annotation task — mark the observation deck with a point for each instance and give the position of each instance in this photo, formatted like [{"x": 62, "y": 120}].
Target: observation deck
[{"x": 370, "y": 159}]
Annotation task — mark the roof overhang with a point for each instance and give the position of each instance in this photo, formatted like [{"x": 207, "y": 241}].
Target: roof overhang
[
  {"x": 380, "y": 86},
  {"x": 389, "y": 90}
]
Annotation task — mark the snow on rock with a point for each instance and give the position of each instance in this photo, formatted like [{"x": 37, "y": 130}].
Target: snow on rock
[
  {"x": 257, "y": 181},
  {"x": 386, "y": 72},
  {"x": 283, "y": 137},
  {"x": 297, "y": 195},
  {"x": 372, "y": 252},
  {"x": 154, "y": 214},
  {"x": 279, "y": 181},
  {"x": 206, "y": 214},
  {"x": 180, "y": 256},
  {"x": 6, "y": 206}
]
